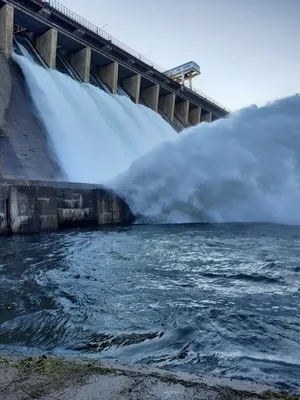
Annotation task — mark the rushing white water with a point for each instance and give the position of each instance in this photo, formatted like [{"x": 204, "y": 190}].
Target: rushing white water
[
  {"x": 95, "y": 136},
  {"x": 243, "y": 168}
]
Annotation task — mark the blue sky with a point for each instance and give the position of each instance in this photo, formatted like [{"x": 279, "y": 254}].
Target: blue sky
[{"x": 248, "y": 50}]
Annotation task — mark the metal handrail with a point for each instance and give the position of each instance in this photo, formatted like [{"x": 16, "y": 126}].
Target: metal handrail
[{"x": 100, "y": 32}]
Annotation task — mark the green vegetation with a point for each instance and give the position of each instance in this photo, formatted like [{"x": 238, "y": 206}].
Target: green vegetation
[
  {"x": 57, "y": 368},
  {"x": 283, "y": 395}
]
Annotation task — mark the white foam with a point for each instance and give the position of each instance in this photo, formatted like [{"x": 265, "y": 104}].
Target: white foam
[{"x": 244, "y": 168}]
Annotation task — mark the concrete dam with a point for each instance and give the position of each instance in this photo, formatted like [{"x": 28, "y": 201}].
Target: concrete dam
[{"x": 35, "y": 194}]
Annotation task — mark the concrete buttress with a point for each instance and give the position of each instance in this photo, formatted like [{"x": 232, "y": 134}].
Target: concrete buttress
[
  {"x": 46, "y": 45},
  {"x": 182, "y": 111},
  {"x": 150, "y": 96},
  {"x": 132, "y": 86},
  {"x": 167, "y": 105},
  {"x": 109, "y": 75},
  {"x": 81, "y": 62},
  {"x": 194, "y": 116},
  {"x": 206, "y": 117},
  {"x": 6, "y": 29}
]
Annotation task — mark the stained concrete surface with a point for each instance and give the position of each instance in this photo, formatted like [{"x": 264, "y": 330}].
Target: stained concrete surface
[
  {"x": 25, "y": 152},
  {"x": 21, "y": 380}
]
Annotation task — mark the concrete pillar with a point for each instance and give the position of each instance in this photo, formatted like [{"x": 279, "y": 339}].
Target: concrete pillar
[
  {"x": 46, "y": 45},
  {"x": 151, "y": 97},
  {"x": 81, "y": 61},
  {"x": 182, "y": 111},
  {"x": 167, "y": 105},
  {"x": 109, "y": 76},
  {"x": 132, "y": 86},
  {"x": 4, "y": 228},
  {"x": 6, "y": 29},
  {"x": 206, "y": 117},
  {"x": 195, "y": 116}
]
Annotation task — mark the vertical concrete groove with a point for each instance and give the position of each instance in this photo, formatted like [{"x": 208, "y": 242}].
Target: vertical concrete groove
[
  {"x": 6, "y": 29},
  {"x": 109, "y": 75},
  {"x": 46, "y": 45},
  {"x": 151, "y": 96},
  {"x": 167, "y": 105},
  {"x": 132, "y": 86},
  {"x": 81, "y": 61}
]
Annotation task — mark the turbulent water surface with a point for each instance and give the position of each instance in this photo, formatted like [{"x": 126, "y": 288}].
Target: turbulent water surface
[{"x": 209, "y": 299}]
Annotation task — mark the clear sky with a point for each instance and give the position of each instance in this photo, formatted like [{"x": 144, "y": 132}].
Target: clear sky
[{"x": 248, "y": 50}]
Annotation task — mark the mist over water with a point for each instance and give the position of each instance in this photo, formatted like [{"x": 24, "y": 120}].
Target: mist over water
[{"x": 244, "y": 168}]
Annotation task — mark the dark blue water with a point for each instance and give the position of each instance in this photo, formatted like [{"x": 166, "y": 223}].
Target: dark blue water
[{"x": 208, "y": 299}]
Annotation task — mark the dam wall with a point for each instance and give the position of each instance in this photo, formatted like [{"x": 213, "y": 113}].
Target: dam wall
[{"x": 33, "y": 206}]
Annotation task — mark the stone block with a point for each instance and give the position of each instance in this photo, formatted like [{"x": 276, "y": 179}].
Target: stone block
[
  {"x": 75, "y": 207},
  {"x": 23, "y": 209}
]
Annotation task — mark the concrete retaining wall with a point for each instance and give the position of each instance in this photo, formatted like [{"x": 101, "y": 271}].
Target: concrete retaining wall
[{"x": 28, "y": 208}]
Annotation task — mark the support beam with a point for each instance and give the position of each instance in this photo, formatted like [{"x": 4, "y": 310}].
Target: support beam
[
  {"x": 109, "y": 75},
  {"x": 182, "y": 111},
  {"x": 6, "y": 29},
  {"x": 46, "y": 45},
  {"x": 206, "y": 117},
  {"x": 167, "y": 105},
  {"x": 195, "y": 116},
  {"x": 151, "y": 97},
  {"x": 132, "y": 86},
  {"x": 81, "y": 62}
]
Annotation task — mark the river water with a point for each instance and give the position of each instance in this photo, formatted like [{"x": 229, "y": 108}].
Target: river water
[{"x": 216, "y": 299}]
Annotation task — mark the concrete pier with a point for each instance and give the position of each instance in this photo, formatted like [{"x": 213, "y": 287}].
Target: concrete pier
[
  {"x": 6, "y": 29},
  {"x": 132, "y": 86},
  {"x": 206, "y": 116},
  {"x": 195, "y": 116},
  {"x": 30, "y": 207},
  {"x": 46, "y": 45},
  {"x": 167, "y": 105},
  {"x": 81, "y": 61},
  {"x": 109, "y": 75},
  {"x": 151, "y": 97},
  {"x": 182, "y": 111}
]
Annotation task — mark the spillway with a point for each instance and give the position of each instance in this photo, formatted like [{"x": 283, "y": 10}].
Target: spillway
[{"x": 95, "y": 136}]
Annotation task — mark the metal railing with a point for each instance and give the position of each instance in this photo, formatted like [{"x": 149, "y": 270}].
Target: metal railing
[{"x": 100, "y": 32}]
